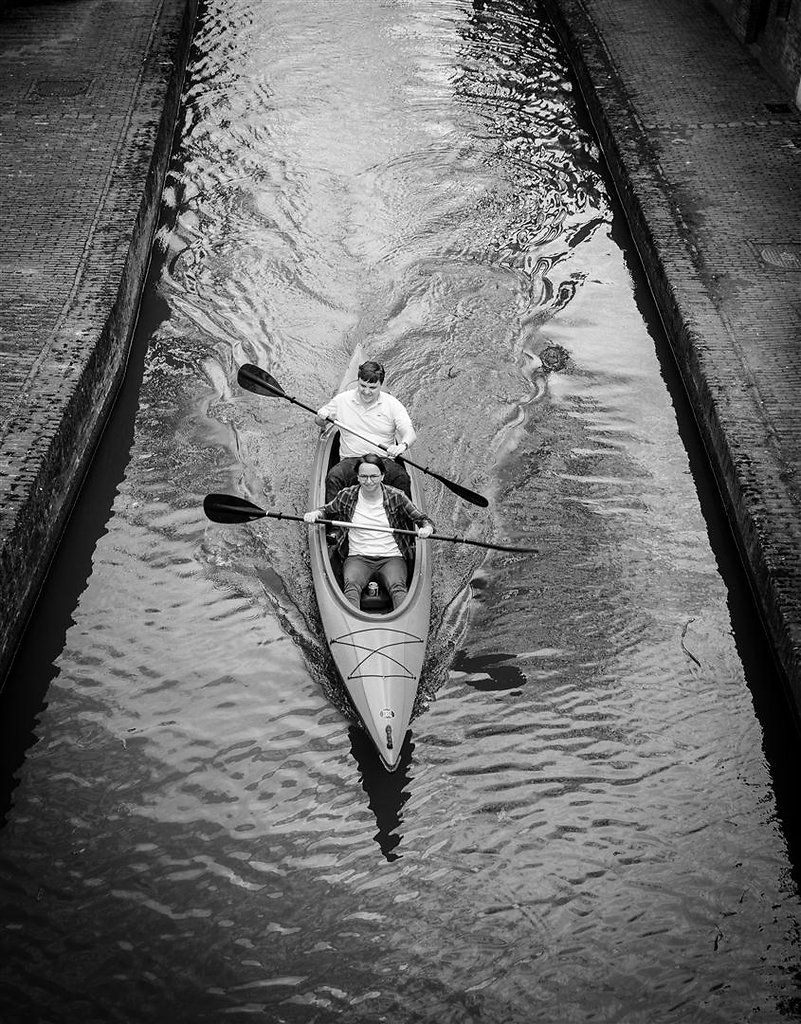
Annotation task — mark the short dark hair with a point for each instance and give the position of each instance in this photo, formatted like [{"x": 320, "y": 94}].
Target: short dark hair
[
  {"x": 372, "y": 460},
  {"x": 371, "y": 372}
]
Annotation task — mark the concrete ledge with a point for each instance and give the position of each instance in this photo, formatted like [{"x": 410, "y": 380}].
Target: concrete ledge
[
  {"x": 66, "y": 390},
  {"x": 754, "y": 469}
]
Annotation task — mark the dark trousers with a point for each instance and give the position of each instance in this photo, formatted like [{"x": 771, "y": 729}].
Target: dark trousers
[
  {"x": 359, "y": 568},
  {"x": 344, "y": 475}
]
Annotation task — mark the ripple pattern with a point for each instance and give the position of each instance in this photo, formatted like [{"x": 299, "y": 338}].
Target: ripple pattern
[{"x": 585, "y": 825}]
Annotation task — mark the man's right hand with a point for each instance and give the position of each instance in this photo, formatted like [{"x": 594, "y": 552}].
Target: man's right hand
[{"x": 313, "y": 516}]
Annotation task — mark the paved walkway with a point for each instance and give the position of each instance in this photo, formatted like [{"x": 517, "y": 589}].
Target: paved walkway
[
  {"x": 88, "y": 97},
  {"x": 706, "y": 152}
]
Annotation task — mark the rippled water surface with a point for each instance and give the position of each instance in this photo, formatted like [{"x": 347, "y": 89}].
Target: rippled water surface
[{"x": 585, "y": 823}]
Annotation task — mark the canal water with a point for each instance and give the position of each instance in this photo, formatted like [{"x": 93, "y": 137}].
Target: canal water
[{"x": 594, "y": 819}]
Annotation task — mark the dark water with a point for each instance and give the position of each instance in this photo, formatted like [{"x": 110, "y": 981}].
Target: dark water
[{"x": 594, "y": 818}]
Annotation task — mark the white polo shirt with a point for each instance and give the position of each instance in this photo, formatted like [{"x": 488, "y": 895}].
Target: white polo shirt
[{"x": 385, "y": 421}]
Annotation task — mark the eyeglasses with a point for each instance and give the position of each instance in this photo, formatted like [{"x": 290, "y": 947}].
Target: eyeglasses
[{"x": 369, "y": 476}]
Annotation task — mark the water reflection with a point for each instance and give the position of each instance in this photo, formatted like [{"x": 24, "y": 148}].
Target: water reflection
[
  {"x": 387, "y": 792},
  {"x": 488, "y": 671},
  {"x": 584, "y": 823}
]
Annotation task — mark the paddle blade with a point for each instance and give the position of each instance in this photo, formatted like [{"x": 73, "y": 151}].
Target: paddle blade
[
  {"x": 465, "y": 493},
  {"x": 253, "y": 378},
  {"x": 227, "y": 508}
]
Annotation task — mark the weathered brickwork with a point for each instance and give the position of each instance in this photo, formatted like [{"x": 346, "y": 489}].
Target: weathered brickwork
[
  {"x": 707, "y": 161},
  {"x": 740, "y": 15},
  {"x": 789, "y": 48},
  {"x": 89, "y": 98},
  {"x": 774, "y": 27}
]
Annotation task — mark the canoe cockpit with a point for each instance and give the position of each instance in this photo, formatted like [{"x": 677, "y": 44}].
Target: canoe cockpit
[{"x": 375, "y": 598}]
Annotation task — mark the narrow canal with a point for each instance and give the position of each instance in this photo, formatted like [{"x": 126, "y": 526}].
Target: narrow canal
[{"x": 595, "y": 816}]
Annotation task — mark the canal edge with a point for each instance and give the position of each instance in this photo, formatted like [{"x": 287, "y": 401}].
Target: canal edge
[
  {"x": 754, "y": 476},
  {"x": 50, "y": 438}
]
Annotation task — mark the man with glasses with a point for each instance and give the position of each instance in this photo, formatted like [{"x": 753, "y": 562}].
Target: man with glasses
[
  {"x": 364, "y": 552},
  {"x": 378, "y": 416}
]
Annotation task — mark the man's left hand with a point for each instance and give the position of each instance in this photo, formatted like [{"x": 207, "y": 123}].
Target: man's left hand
[
  {"x": 425, "y": 531},
  {"x": 394, "y": 450}
]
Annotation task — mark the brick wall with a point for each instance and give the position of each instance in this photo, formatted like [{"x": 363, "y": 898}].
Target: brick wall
[
  {"x": 774, "y": 28},
  {"x": 741, "y": 16},
  {"x": 781, "y": 42}
]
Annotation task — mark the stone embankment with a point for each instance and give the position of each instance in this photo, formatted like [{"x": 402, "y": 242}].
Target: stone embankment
[
  {"x": 705, "y": 151},
  {"x": 89, "y": 94}
]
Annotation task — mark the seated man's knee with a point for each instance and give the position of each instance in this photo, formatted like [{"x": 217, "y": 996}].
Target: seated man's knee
[
  {"x": 339, "y": 476},
  {"x": 353, "y": 585},
  {"x": 394, "y": 576},
  {"x": 396, "y": 476}
]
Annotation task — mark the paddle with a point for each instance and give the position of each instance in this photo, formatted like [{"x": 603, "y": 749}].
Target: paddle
[
  {"x": 227, "y": 508},
  {"x": 253, "y": 378}
]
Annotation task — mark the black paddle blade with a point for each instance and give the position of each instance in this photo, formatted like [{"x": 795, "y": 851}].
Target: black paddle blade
[
  {"x": 253, "y": 378},
  {"x": 227, "y": 508},
  {"x": 463, "y": 492}
]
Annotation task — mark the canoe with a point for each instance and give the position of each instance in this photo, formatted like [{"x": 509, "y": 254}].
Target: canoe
[{"x": 378, "y": 652}]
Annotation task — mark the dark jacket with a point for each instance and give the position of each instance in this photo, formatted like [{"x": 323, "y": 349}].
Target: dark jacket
[{"x": 402, "y": 514}]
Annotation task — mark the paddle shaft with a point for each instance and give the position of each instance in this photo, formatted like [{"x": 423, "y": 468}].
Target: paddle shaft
[
  {"x": 229, "y": 509},
  {"x": 413, "y": 533},
  {"x": 254, "y": 378}
]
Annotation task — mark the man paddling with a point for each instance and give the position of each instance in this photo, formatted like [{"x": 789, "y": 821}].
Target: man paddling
[
  {"x": 380, "y": 417},
  {"x": 366, "y": 553}
]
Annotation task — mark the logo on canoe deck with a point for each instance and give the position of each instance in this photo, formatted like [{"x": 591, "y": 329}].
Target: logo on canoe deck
[
  {"x": 386, "y": 713},
  {"x": 368, "y": 645}
]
